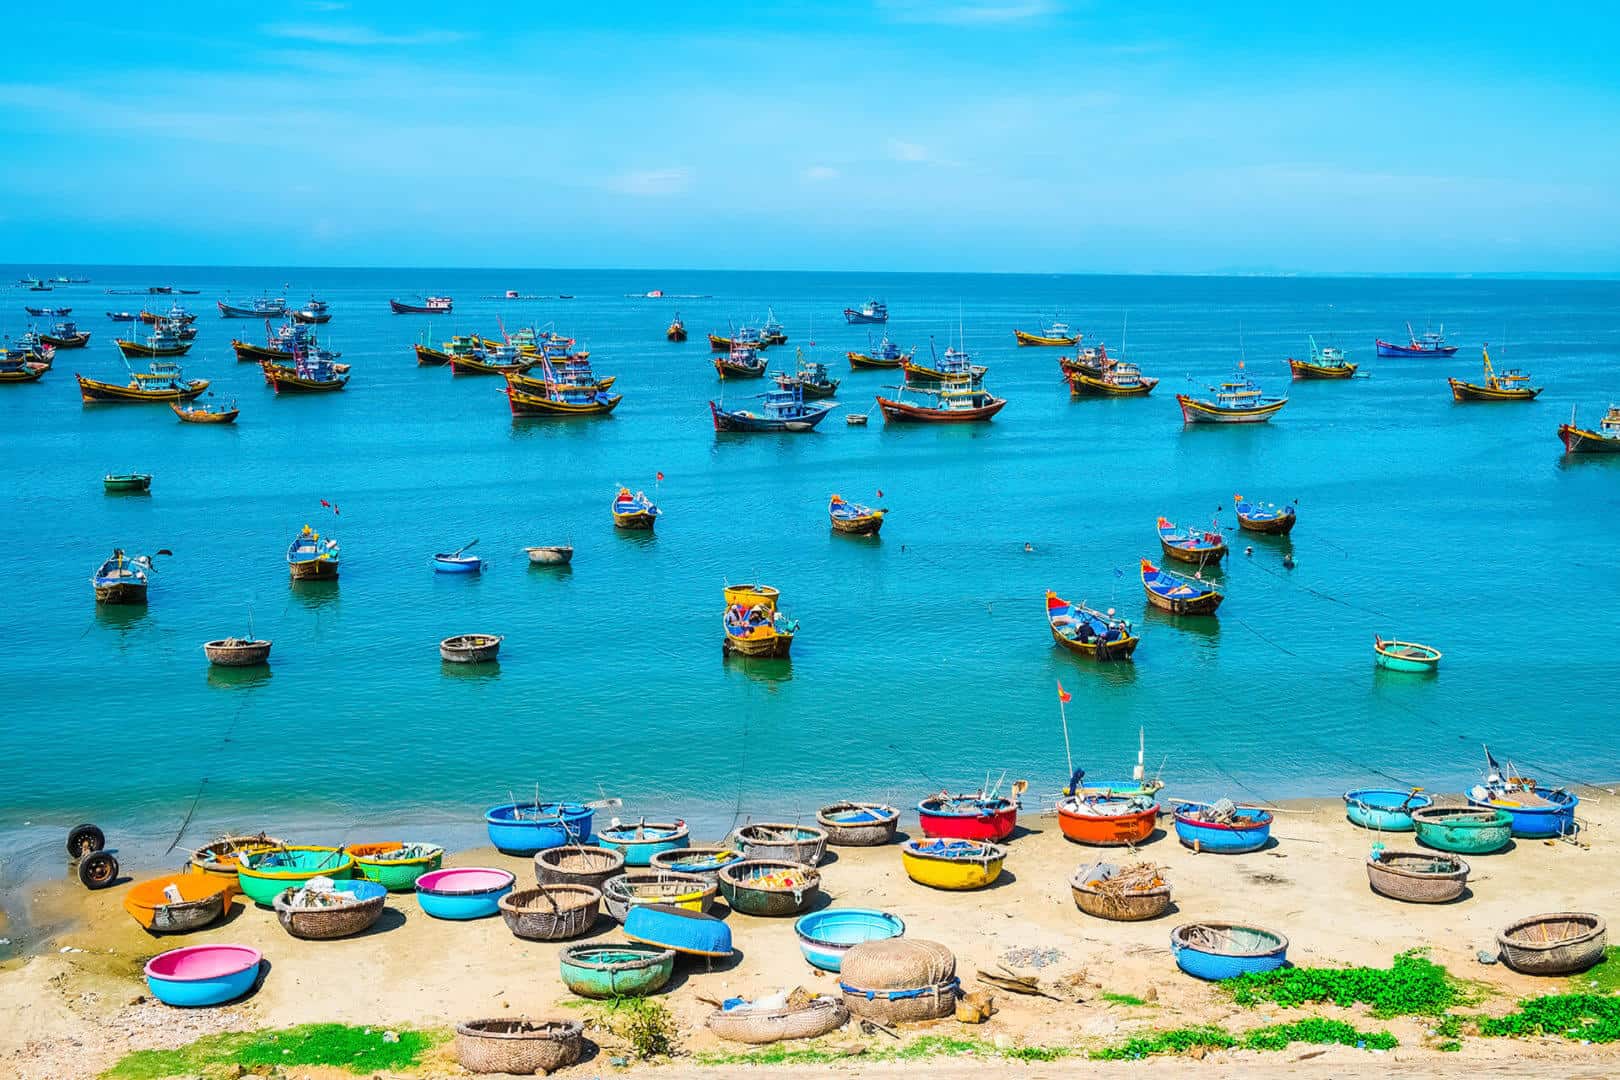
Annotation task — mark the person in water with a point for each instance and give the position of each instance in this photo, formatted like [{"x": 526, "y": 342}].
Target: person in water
[{"x": 1029, "y": 548}]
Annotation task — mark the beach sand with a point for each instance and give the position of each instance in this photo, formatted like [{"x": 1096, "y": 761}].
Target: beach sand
[{"x": 78, "y": 1002}]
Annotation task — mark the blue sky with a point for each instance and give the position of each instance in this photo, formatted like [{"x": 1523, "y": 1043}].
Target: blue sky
[{"x": 983, "y": 135}]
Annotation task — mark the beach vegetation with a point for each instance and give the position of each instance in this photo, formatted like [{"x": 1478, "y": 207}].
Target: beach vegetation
[
  {"x": 342, "y": 1046},
  {"x": 645, "y": 1025},
  {"x": 1315, "y": 1030},
  {"x": 1601, "y": 979},
  {"x": 1122, "y": 999},
  {"x": 1582, "y": 1017},
  {"x": 1412, "y": 985}
]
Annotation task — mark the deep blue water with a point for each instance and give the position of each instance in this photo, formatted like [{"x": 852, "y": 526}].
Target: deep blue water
[{"x": 923, "y": 658}]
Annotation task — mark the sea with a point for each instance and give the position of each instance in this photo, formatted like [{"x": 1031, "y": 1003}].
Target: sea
[{"x": 923, "y": 659}]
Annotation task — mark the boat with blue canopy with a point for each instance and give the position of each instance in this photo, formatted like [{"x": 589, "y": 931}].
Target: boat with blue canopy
[
  {"x": 1191, "y": 545},
  {"x": 1428, "y": 343},
  {"x": 1238, "y": 400},
  {"x": 884, "y": 354},
  {"x": 781, "y": 409},
  {"x": 1264, "y": 517},
  {"x": 1177, "y": 593},
  {"x": 1085, "y": 631},
  {"x": 634, "y": 511},
  {"x": 312, "y": 556},
  {"x": 873, "y": 311}
]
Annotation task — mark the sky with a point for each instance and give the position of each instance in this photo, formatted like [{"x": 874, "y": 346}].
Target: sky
[{"x": 905, "y": 135}]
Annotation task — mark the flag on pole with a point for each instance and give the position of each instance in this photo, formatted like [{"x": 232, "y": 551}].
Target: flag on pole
[
  {"x": 660, "y": 478},
  {"x": 880, "y": 493},
  {"x": 331, "y": 506},
  {"x": 1063, "y": 695}
]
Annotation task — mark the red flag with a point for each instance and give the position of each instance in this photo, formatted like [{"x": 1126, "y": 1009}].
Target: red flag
[
  {"x": 880, "y": 493},
  {"x": 660, "y": 478},
  {"x": 1063, "y": 695},
  {"x": 331, "y": 506}
]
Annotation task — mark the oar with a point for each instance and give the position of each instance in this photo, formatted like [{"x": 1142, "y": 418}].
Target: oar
[{"x": 464, "y": 547}]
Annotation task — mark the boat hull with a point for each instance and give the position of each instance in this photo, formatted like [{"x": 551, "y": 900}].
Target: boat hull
[
  {"x": 1281, "y": 525},
  {"x": 1082, "y": 384},
  {"x": 1120, "y": 649},
  {"x": 1214, "y": 966},
  {"x": 955, "y": 875},
  {"x": 986, "y": 825},
  {"x": 1204, "y": 603},
  {"x": 1304, "y": 369},
  {"x": 861, "y": 360},
  {"x": 1580, "y": 441},
  {"x": 1465, "y": 391},
  {"x": 729, "y": 370},
  {"x": 903, "y": 412},
  {"x": 123, "y": 592},
  {"x": 636, "y": 521},
  {"x": 93, "y": 390},
  {"x": 1250, "y": 830},
  {"x": 539, "y": 405},
  {"x": 737, "y": 421},
  {"x": 1393, "y": 656},
  {"x": 1025, "y": 338},
  {"x": 1107, "y": 830},
  {"x": 1464, "y": 833},
  {"x": 854, "y": 317},
  {"x": 248, "y": 353},
  {"x": 71, "y": 341},
  {"x": 29, "y": 372},
  {"x": 136, "y": 350},
  {"x": 312, "y": 317},
  {"x": 1389, "y": 348},
  {"x": 865, "y": 525},
  {"x": 229, "y": 311},
  {"x": 313, "y": 570},
  {"x": 287, "y": 381},
  {"x": 771, "y": 646},
  {"x": 199, "y": 416},
  {"x": 1194, "y": 411},
  {"x": 417, "y": 309},
  {"x": 1205, "y": 555}
]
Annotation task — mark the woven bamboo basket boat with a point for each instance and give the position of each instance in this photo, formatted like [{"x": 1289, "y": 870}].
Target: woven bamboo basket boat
[
  {"x": 900, "y": 980},
  {"x": 219, "y": 857},
  {"x": 578, "y": 864},
  {"x": 1094, "y": 896},
  {"x": 758, "y": 1026},
  {"x": 551, "y": 912},
  {"x": 856, "y": 824},
  {"x": 470, "y": 648},
  {"x": 518, "y": 1046},
  {"x": 1559, "y": 943},
  {"x": 746, "y": 887},
  {"x": 237, "y": 652},
  {"x": 689, "y": 891},
  {"x": 703, "y": 862},
  {"x": 782, "y": 842},
  {"x": 1417, "y": 877},
  {"x": 360, "y": 911}
]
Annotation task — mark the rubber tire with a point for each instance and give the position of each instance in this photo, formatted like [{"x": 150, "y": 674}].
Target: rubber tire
[
  {"x": 98, "y": 870},
  {"x": 84, "y": 839}
]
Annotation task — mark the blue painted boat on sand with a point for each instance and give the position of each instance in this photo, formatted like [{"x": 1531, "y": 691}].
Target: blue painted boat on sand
[
  {"x": 1248, "y": 830},
  {"x": 672, "y": 927},
  {"x": 640, "y": 842},
  {"x": 201, "y": 975},
  {"x": 825, "y": 936},
  {"x": 1384, "y": 809},
  {"x": 527, "y": 828},
  {"x": 1216, "y": 951},
  {"x": 463, "y": 892},
  {"x": 1544, "y": 813}
]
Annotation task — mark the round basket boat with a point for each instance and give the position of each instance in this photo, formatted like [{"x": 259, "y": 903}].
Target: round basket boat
[
  {"x": 1217, "y": 951},
  {"x": 1417, "y": 877},
  {"x": 703, "y": 862},
  {"x": 395, "y": 865},
  {"x": 614, "y": 971},
  {"x": 203, "y": 899},
  {"x": 1559, "y": 943},
  {"x": 1107, "y": 821},
  {"x": 1463, "y": 830},
  {"x": 551, "y": 912},
  {"x": 578, "y": 864},
  {"x": 264, "y": 874},
  {"x": 1246, "y": 830},
  {"x": 360, "y": 907},
  {"x": 201, "y": 975},
  {"x": 1537, "y": 814},
  {"x": 967, "y": 817},
  {"x": 685, "y": 931},
  {"x": 528, "y": 827},
  {"x": 782, "y": 842},
  {"x": 857, "y": 824},
  {"x": 746, "y": 1024},
  {"x": 769, "y": 887},
  {"x": 470, "y": 648},
  {"x": 237, "y": 652},
  {"x": 825, "y": 936},
  {"x": 463, "y": 892},
  {"x": 221, "y": 858},
  {"x": 519, "y": 1046},
  {"x": 689, "y": 891},
  {"x": 952, "y": 864},
  {"x": 1095, "y": 894},
  {"x": 900, "y": 980},
  {"x": 1383, "y": 809},
  {"x": 640, "y": 842}
]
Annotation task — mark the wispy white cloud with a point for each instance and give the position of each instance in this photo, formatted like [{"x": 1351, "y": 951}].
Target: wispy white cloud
[
  {"x": 651, "y": 182},
  {"x": 332, "y": 34},
  {"x": 986, "y": 13},
  {"x": 818, "y": 174}
]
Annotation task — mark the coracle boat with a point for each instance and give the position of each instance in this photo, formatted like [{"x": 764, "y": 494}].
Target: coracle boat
[
  {"x": 781, "y": 409},
  {"x": 139, "y": 482},
  {"x": 1096, "y": 635},
  {"x": 470, "y": 648},
  {"x": 1268, "y": 518},
  {"x": 530, "y": 827},
  {"x": 955, "y": 403},
  {"x": 644, "y": 839},
  {"x": 122, "y": 578},
  {"x": 162, "y": 381},
  {"x": 1190, "y": 545},
  {"x": 17, "y": 369},
  {"x": 550, "y": 555},
  {"x": 1463, "y": 830},
  {"x": 952, "y": 864},
  {"x": 222, "y": 858},
  {"x": 740, "y": 362},
  {"x": 1236, "y": 401},
  {"x": 758, "y": 631},
  {"x": 1215, "y": 951},
  {"x": 1578, "y": 440},
  {"x": 394, "y": 864},
  {"x": 1178, "y": 594},
  {"x": 66, "y": 335},
  {"x": 578, "y": 864},
  {"x": 551, "y": 912},
  {"x": 202, "y": 975},
  {"x": 621, "y": 894},
  {"x": 518, "y": 1045},
  {"x": 771, "y": 331},
  {"x": 1221, "y": 827},
  {"x": 456, "y": 562},
  {"x": 463, "y": 892},
  {"x": 310, "y": 557},
  {"x": 750, "y": 593},
  {"x": 1510, "y": 385},
  {"x": 703, "y": 862},
  {"x": 1405, "y": 655},
  {"x": 854, "y": 518},
  {"x": 1325, "y": 363},
  {"x": 676, "y": 331},
  {"x": 237, "y": 652},
  {"x": 1384, "y": 810},
  {"x": 1538, "y": 813},
  {"x": 873, "y": 311},
  {"x": 1429, "y": 343},
  {"x": 1560, "y": 943},
  {"x": 310, "y": 373},
  {"x": 265, "y": 307},
  {"x": 825, "y": 936},
  {"x": 967, "y": 817},
  {"x": 769, "y": 887},
  {"x": 900, "y": 980},
  {"x": 432, "y": 305},
  {"x": 782, "y": 842},
  {"x": 776, "y": 1018},
  {"x": 1416, "y": 877},
  {"x": 180, "y": 903},
  {"x": 616, "y": 971},
  {"x": 636, "y": 512},
  {"x": 1117, "y": 378},
  {"x": 1103, "y": 821},
  {"x": 316, "y": 311},
  {"x": 885, "y": 354},
  {"x": 265, "y": 874},
  {"x": 340, "y": 910},
  {"x": 203, "y": 413},
  {"x": 1132, "y": 894},
  {"x": 1058, "y": 333},
  {"x": 856, "y": 824}
]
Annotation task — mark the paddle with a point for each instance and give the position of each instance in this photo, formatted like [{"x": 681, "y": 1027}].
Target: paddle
[{"x": 464, "y": 547}]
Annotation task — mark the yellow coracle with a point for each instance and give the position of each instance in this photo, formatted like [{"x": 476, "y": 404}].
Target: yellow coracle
[{"x": 953, "y": 864}]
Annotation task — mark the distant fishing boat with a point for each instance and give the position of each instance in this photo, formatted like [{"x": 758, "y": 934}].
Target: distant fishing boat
[
  {"x": 176, "y": 315},
  {"x": 1237, "y": 401},
  {"x": 1405, "y": 655},
  {"x": 127, "y": 482},
  {"x": 432, "y": 305},
  {"x": 31, "y": 346},
  {"x": 311, "y": 557},
  {"x": 955, "y": 403},
  {"x": 1084, "y": 362},
  {"x": 853, "y": 517},
  {"x": 1085, "y": 631},
  {"x": 162, "y": 381},
  {"x": 122, "y": 578},
  {"x": 1605, "y": 440},
  {"x": 1328, "y": 362},
  {"x": 310, "y": 373},
  {"x": 1178, "y": 594},
  {"x": 743, "y": 336},
  {"x": 759, "y": 630},
  {"x": 557, "y": 399},
  {"x": 1509, "y": 385},
  {"x": 813, "y": 378},
  {"x": 1264, "y": 517},
  {"x": 265, "y": 307},
  {"x": 1191, "y": 545},
  {"x": 953, "y": 365},
  {"x": 781, "y": 409},
  {"x": 315, "y": 311},
  {"x": 635, "y": 512},
  {"x": 772, "y": 332},
  {"x": 501, "y": 359},
  {"x": 1429, "y": 343},
  {"x": 66, "y": 335},
  {"x": 17, "y": 368},
  {"x": 550, "y": 555},
  {"x": 198, "y": 413},
  {"x": 885, "y": 354},
  {"x": 163, "y": 341},
  {"x": 741, "y": 362},
  {"x": 1117, "y": 378},
  {"x": 48, "y": 312},
  {"x": 1058, "y": 333},
  {"x": 873, "y": 311},
  {"x": 121, "y": 316},
  {"x": 676, "y": 331},
  {"x": 280, "y": 344},
  {"x": 428, "y": 356}
]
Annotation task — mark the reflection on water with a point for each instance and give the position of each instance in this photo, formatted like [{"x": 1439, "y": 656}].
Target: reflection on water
[
  {"x": 1207, "y": 627},
  {"x": 485, "y": 672},
  {"x": 315, "y": 595},
  {"x": 238, "y": 678},
  {"x": 766, "y": 672},
  {"x": 120, "y": 616}
]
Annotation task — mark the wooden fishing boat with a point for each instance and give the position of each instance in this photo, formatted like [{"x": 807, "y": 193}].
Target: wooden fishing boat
[
  {"x": 66, "y": 335},
  {"x": 162, "y": 342},
  {"x": 1177, "y": 594},
  {"x": 264, "y": 307},
  {"x": 310, "y": 374},
  {"x": 121, "y": 316},
  {"x": 1416, "y": 877},
  {"x": 952, "y": 864},
  {"x": 771, "y": 331},
  {"x": 813, "y": 378},
  {"x": 502, "y": 360},
  {"x": 759, "y": 631},
  {"x": 1104, "y": 821},
  {"x": 1429, "y": 343},
  {"x": 432, "y": 305},
  {"x": 854, "y": 518},
  {"x": 311, "y": 558},
  {"x": 1329, "y": 362},
  {"x": 1058, "y": 333},
  {"x": 973, "y": 816},
  {"x": 122, "y": 578},
  {"x": 48, "y": 312},
  {"x": 176, "y": 315},
  {"x": 781, "y": 409},
  {"x": 1117, "y": 378},
  {"x": 550, "y": 555},
  {"x": 162, "y": 381},
  {"x": 741, "y": 362},
  {"x": 1605, "y": 440},
  {"x": 199, "y": 413},
  {"x": 884, "y": 354},
  {"x": 1087, "y": 632},
  {"x": 127, "y": 482},
  {"x": 676, "y": 331},
  {"x": 752, "y": 593},
  {"x": 1201, "y": 546},
  {"x": 1083, "y": 362},
  {"x": 955, "y": 403},
  {"x": 1267, "y": 518},
  {"x": 470, "y": 648},
  {"x": 427, "y": 356},
  {"x": 237, "y": 652},
  {"x": 559, "y": 400},
  {"x": 314, "y": 312},
  {"x": 636, "y": 512},
  {"x": 1236, "y": 401},
  {"x": 1509, "y": 385},
  {"x": 954, "y": 365},
  {"x": 1558, "y": 943},
  {"x": 1216, "y": 951},
  {"x": 873, "y": 311},
  {"x": 1405, "y": 655},
  {"x": 743, "y": 336},
  {"x": 17, "y": 370}
]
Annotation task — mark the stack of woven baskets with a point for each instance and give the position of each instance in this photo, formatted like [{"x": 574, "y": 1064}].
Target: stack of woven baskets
[{"x": 900, "y": 980}]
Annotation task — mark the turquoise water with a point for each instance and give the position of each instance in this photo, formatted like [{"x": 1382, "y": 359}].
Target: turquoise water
[{"x": 923, "y": 658}]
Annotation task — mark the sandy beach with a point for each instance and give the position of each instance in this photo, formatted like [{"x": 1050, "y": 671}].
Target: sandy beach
[{"x": 78, "y": 1003}]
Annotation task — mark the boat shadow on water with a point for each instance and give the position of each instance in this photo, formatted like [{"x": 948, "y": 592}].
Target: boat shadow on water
[
  {"x": 121, "y": 616},
  {"x": 1207, "y": 627},
  {"x": 315, "y": 594},
  {"x": 758, "y": 669},
  {"x": 471, "y": 672},
  {"x": 238, "y": 678}
]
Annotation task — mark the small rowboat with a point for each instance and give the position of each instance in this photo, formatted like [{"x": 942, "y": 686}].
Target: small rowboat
[
  {"x": 854, "y": 518},
  {"x": 1215, "y": 951},
  {"x": 856, "y": 419},
  {"x": 578, "y": 864},
  {"x": 454, "y": 562},
  {"x": 550, "y": 555},
  {"x": 1191, "y": 545},
  {"x": 1463, "y": 830},
  {"x": 1416, "y": 877},
  {"x": 621, "y": 894},
  {"x": 1267, "y": 518},
  {"x": 769, "y": 887},
  {"x": 127, "y": 482},
  {"x": 825, "y": 936},
  {"x": 1511, "y": 385},
  {"x": 1405, "y": 655},
  {"x": 1222, "y": 828},
  {"x": 852, "y": 824},
  {"x": 195, "y": 413},
  {"x": 1560, "y": 943},
  {"x": 616, "y": 971},
  {"x": 641, "y": 841},
  {"x": 636, "y": 512},
  {"x": 470, "y": 648},
  {"x": 1107, "y": 822},
  {"x": 1577, "y": 440},
  {"x": 551, "y": 912},
  {"x": 952, "y": 864},
  {"x": 775, "y": 1020},
  {"x": 21, "y": 371},
  {"x": 1329, "y": 362},
  {"x": 1178, "y": 594},
  {"x": 202, "y": 975},
  {"x": 1384, "y": 810},
  {"x": 967, "y": 817},
  {"x": 309, "y": 557},
  {"x": 221, "y": 858},
  {"x": 180, "y": 903},
  {"x": 1084, "y": 631},
  {"x": 237, "y": 652}
]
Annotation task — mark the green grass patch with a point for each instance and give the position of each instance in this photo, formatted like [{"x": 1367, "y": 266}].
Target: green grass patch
[
  {"x": 1591, "y": 1017},
  {"x": 1122, "y": 999},
  {"x": 1174, "y": 1041},
  {"x": 1413, "y": 984},
  {"x": 1316, "y": 1030},
  {"x": 929, "y": 1046},
  {"x": 359, "y": 1050},
  {"x": 1602, "y": 979}
]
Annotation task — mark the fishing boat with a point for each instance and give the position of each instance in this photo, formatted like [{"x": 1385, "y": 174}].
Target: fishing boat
[
  {"x": 176, "y": 314},
  {"x": 457, "y": 561},
  {"x": 759, "y": 630},
  {"x": 975, "y": 816},
  {"x": 265, "y": 307},
  {"x": 873, "y": 311},
  {"x": 17, "y": 369},
  {"x": 1115, "y": 378},
  {"x": 1191, "y": 545},
  {"x": 550, "y": 554},
  {"x": 813, "y": 378},
  {"x": 203, "y": 413},
  {"x": 952, "y": 864},
  {"x": 676, "y": 331},
  {"x": 1429, "y": 343},
  {"x": 742, "y": 362},
  {"x": 1537, "y": 812},
  {"x": 853, "y": 517},
  {"x": 883, "y": 354},
  {"x": 428, "y": 356},
  {"x": 954, "y": 403},
  {"x": 745, "y": 336},
  {"x": 1508, "y": 385},
  {"x": 163, "y": 341},
  {"x": 1329, "y": 362},
  {"x": 122, "y": 578},
  {"x": 162, "y": 381},
  {"x": 558, "y": 399},
  {"x": 127, "y": 482},
  {"x": 1236, "y": 401},
  {"x": 1085, "y": 631},
  {"x": 121, "y": 316},
  {"x": 781, "y": 409},
  {"x": 280, "y": 344},
  {"x": 1177, "y": 594},
  {"x": 1405, "y": 655},
  {"x": 573, "y": 374},
  {"x": 1084, "y": 362},
  {"x": 29, "y": 346},
  {"x": 771, "y": 331},
  {"x": 1579, "y": 440},
  {"x": 310, "y": 373},
  {"x": 1222, "y": 827},
  {"x": 312, "y": 557},
  {"x": 1058, "y": 333},
  {"x": 316, "y": 311},
  {"x": 66, "y": 335},
  {"x": 432, "y": 305},
  {"x": 1268, "y": 518},
  {"x": 1108, "y": 821},
  {"x": 48, "y": 312},
  {"x": 634, "y": 511},
  {"x": 501, "y": 360},
  {"x": 954, "y": 365}
]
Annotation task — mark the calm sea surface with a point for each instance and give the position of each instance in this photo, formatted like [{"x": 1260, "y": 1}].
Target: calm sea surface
[{"x": 923, "y": 658}]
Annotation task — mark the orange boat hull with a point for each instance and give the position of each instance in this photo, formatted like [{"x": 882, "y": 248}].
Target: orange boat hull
[{"x": 1108, "y": 830}]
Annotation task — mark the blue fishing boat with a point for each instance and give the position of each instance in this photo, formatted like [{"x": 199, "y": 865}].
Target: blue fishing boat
[
  {"x": 825, "y": 936},
  {"x": 1385, "y": 810},
  {"x": 312, "y": 556},
  {"x": 527, "y": 828},
  {"x": 1537, "y": 812},
  {"x": 1216, "y": 951},
  {"x": 634, "y": 511},
  {"x": 1428, "y": 343},
  {"x": 264, "y": 307},
  {"x": 885, "y": 354},
  {"x": 781, "y": 409},
  {"x": 1085, "y": 631},
  {"x": 1236, "y": 401},
  {"x": 455, "y": 562},
  {"x": 873, "y": 311},
  {"x": 1221, "y": 827},
  {"x": 671, "y": 927},
  {"x": 1268, "y": 518},
  {"x": 1191, "y": 545},
  {"x": 1177, "y": 593}
]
